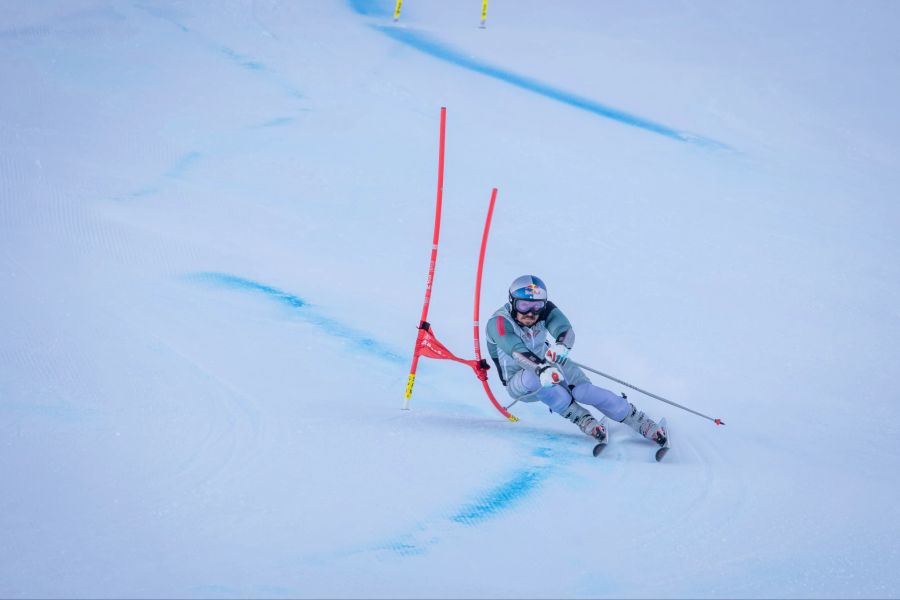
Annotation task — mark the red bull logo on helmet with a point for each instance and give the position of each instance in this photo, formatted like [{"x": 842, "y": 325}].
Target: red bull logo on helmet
[{"x": 528, "y": 287}]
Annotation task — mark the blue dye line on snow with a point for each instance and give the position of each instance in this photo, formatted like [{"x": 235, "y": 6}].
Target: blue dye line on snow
[
  {"x": 487, "y": 505},
  {"x": 492, "y": 503},
  {"x": 248, "y": 63},
  {"x": 428, "y": 45},
  {"x": 278, "y": 122},
  {"x": 542, "y": 452},
  {"x": 501, "y": 497},
  {"x": 183, "y": 165},
  {"x": 406, "y": 546},
  {"x": 330, "y": 326},
  {"x": 146, "y": 191},
  {"x": 178, "y": 170},
  {"x": 241, "y": 60},
  {"x": 368, "y": 8},
  {"x": 161, "y": 13}
]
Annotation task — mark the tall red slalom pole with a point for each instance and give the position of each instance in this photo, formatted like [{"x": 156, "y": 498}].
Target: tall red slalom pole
[
  {"x": 481, "y": 371},
  {"x": 423, "y": 321}
]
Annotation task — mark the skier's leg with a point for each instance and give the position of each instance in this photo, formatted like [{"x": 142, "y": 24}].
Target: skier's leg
[
  {"x": 619, "y": 409},
  {"x": 559, "y": 399},
  {"x": 612, "y": 405}
]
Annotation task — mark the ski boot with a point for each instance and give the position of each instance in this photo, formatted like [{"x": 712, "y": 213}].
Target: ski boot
[
  {"x": 645, "y": 426},
  {"x": 585, "y": 421}
]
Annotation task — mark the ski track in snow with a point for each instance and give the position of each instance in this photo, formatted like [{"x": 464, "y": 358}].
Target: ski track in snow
[{"x": 429, "y": 45}]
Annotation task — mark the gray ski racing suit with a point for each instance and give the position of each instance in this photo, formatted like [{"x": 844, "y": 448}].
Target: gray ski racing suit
[{"x": 518, "y": 352}]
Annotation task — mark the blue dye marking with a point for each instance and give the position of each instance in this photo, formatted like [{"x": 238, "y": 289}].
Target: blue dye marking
[
  {"x": 430, "y": 46},
  {"x": 144, "y": 192},
  {"x": 368, "y": 8},
  {"x": 183, "y": 165},
  {"x": 249, "y": 64},
  {"x": 403, "y": 548},
  {"x": 542, "y": 452},
  {"x": 246, "y": 284},
  {"x": 278, "y": 122},
  {"x": 177, "y": 171},
  {"x": 500, "y": 498},
  {"x": 489, "y": 504},
  {"x": 161, "y": 13},
  {"x": 331, "y": 326},
  {"x": 241, "y": 60}
]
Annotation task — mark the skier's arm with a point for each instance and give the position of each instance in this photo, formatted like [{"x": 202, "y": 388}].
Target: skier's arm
[
  {"x": 500, "y": 333},
  {"x": 559, "y": 327}
]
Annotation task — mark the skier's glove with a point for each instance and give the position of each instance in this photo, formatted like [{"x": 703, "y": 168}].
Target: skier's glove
[
  {"x": 549, "y": 375},
  {"x": 557, "y": 353}
]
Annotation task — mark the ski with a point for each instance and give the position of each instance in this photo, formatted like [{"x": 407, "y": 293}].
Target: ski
[
  {"x": 661, "y": 452},
  {"x": 601, "y": 444}
]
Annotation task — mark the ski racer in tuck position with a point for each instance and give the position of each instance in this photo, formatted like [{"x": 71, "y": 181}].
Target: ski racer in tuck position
[{"x": 533, "y": 368}]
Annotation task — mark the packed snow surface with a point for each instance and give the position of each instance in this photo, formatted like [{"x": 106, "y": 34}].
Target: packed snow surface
[{"x": 215, "y": 225}]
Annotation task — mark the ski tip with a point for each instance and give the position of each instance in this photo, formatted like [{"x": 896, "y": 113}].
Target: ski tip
[
  {"x": 661, "y": 452},
  {"x": 598, "y": 449}
]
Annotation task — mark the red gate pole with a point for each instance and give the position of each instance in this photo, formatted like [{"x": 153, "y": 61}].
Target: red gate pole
[
  {"x": 481, "y": 371},
  {"x": 423, "y": 323}
]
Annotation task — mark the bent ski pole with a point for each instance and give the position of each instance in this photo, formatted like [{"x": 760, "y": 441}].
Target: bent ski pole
[{"x": 660, "y": 398}]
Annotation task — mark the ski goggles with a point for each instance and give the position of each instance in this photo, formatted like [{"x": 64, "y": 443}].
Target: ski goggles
[{"x": 529, "y": 306}]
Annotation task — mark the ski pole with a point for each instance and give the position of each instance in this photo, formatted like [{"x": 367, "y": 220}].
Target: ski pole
[{"x": 660, "y": 398}]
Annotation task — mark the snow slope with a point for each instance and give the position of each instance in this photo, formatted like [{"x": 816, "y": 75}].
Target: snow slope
[{"x": 215, "y": 220}]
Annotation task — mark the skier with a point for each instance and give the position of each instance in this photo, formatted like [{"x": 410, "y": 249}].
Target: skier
[{"x": 534, "y": 369}]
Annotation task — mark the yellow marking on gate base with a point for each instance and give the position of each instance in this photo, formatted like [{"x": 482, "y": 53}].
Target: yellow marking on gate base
[{"x": 409, "y": 385}]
